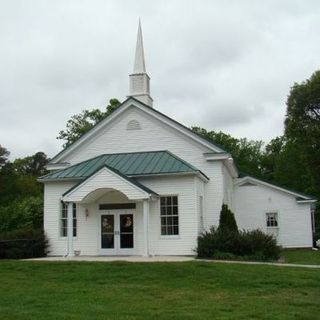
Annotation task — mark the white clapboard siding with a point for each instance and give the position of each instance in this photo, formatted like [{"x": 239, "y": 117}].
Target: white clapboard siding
[
  {"x": 227, "y": 187},
  {"x": 186, "y": 242},
  {"x": 252, "y": 202},
  {"x": 52, "y": 212},
  {"x": 200, "y": 192}
]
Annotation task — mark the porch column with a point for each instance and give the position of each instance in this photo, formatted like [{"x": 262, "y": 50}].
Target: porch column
[
  {"x": 70, "y": 230},
  {"x": 146, "y": 208}
]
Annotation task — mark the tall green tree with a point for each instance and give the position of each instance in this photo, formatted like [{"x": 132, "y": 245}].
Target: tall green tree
[
  {"x": 227, "y": 220},
  {"x": 302, "y": 125},
  {"x": 82, "y": 122},
  {"x": 21, "y": 196}
]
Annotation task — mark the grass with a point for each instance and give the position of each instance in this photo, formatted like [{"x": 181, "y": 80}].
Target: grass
[
  {"x": 186, "y": 290},
  {"x": 301, "y": 256}
]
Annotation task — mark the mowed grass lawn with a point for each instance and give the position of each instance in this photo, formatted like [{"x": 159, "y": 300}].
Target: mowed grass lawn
[
  {"x": 301, "y": 256},
  {"x": 186, "y": 290}
]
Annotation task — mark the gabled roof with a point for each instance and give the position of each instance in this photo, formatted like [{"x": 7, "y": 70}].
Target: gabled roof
[
  {"x": 128, "y": 164},
  {"x": 300, "y": 197},
  {"x": 152, "y": 112},
  {"x": 132, "y": 181}
]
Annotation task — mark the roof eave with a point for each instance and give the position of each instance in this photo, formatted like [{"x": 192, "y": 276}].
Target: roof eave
[
  {"x": 307, "y": 201},
  {"x": 44, "y": 180}
]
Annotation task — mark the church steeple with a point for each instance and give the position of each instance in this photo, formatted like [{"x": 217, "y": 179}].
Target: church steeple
[
  {"x": 139, "y": 63},
  {"x": 139, "y": 79}
]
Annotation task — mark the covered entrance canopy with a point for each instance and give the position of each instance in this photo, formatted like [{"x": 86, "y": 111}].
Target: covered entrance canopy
[{"x": 103, "y": 181}]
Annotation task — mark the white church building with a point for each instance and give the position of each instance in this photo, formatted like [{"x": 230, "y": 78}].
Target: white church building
[{"x": 141, "y": 183}]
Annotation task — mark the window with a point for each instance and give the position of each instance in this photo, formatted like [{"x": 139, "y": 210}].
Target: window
[
  {"x": 272, "y": 219},
  {"x": 201, "y": 213},
  {"x": 64, "y": 220},
  {"x": 169, "y": 215},
  {"x": 74, "y": 220}
]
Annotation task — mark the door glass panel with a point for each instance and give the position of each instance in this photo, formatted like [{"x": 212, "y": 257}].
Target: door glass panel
[
  {"x": 126, "y": 231},
  {"x": 107, "y": 231}
]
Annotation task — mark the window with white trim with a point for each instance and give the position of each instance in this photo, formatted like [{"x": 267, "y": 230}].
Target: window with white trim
[
  {"x": 64, "y": 220},
  {"x": 201, "y": 213},
  {"x": 169, "y": 215},
  {"x": 272, "y": 219}
]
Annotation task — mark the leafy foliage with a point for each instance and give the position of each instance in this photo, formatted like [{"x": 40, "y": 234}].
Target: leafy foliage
[
  {"x": 33, "y": 165},
  {"x": 227, "y": 220},
  {"x": 81, "y": 123},
  {"x": 24, "y": 212},
  {"x": 227, "y": 242},
  {"x": 23, "y": 243},
  {"x": 21, "y": 196},
  {"x": 250, "y": 245}
]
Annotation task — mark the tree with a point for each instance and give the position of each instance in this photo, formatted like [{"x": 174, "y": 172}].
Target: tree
[
  {"x": 33, "y": 165},
  {"x": 246, "y": 153},
  {"x": 271, "y": 156},
  {"x": 302, "y": 124},
  {"x": 81, "y": 123},
  {"x": 227, "y": 221},
  {"x": 4, "y": 154},
  {"x": 22, "y": 213}
]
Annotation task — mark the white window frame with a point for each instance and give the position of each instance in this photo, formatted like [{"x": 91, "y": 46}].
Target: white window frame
[
  {"x": 62, "y": 217},
  {"x": 169, "y": 236},
  {"x": 266, "y": 219},
  {"x": 201, "y": 213}
]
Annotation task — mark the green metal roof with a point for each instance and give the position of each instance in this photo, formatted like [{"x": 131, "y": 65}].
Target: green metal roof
[
  {"x": 133, "y": 181},
  {"x": 129, "y": 164}
]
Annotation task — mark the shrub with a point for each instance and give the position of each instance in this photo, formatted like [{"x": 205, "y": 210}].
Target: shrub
[
  {"x": 227, "y": 221},
  {"x": 253, "y": 245},
  {"x": 21, "y": 214},
  {"x": 23, "y": 243}
]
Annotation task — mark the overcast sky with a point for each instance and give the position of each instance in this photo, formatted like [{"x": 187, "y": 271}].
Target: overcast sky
[{"x": 222, "y": 65}]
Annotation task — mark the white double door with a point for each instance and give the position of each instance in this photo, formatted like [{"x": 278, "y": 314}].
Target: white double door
[{"x": 117, "y": 232}]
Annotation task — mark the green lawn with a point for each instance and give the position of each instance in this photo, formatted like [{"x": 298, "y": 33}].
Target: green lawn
[
  {"x": 301, "y": 256},
  {"x": 187, "y": 290}
]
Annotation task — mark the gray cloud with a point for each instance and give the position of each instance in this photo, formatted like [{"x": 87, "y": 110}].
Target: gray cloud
[{"x": 222, "y": 65}]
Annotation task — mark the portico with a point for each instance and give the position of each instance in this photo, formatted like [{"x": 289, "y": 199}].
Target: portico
[{"x": 120, "y": 207}]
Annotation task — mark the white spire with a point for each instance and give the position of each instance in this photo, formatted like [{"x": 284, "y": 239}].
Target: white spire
[
  {"x": 139, "y": 63},
  {"x": 139, "y": 79}
]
